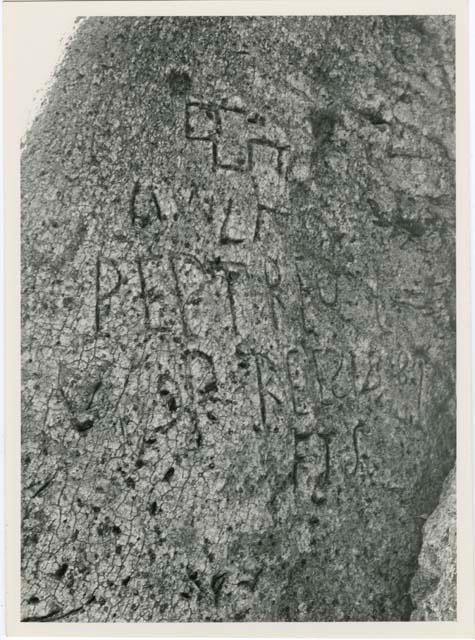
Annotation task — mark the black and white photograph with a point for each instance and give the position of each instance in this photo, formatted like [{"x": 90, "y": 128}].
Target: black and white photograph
[{"x": 239, "y": 322}]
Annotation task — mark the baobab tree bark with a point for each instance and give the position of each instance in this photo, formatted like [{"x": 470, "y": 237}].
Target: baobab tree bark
[
  {"x": 434, "y": 585},
  {"x": 238, "y": 318}
]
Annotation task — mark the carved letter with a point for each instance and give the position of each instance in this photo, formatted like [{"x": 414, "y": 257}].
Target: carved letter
[
  {"x": 190, "y": 282},
  {"x": 233, "y": 272},
  {"x": 226, "y": 230},
  {"x": 102, "y": 296},
  {"x": 298, "y": 383},
  {"x": 266, "y": 372},
  {"x": 273, "y": 280}
]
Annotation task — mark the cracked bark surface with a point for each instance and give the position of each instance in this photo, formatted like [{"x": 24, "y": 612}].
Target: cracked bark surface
[
  {"x": 238, "y": 318},
  {"x": 434, "y": 586}
]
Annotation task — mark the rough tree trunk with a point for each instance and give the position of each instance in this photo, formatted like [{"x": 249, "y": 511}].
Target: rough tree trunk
[
  {"x": 238, "y": 241},
  {"x": 434, "y": 585}
]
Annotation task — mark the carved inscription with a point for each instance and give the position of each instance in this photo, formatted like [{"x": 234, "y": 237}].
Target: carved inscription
[
  {"x": 227, "y": 236},
  {"x": 310, "y": 377},
  {"x": 230, "y": 131},
  {"x": 238, "y": 319},
  {"x": 236, "y": 275},
  {"x": 230, "y": 152},
  {"x": 190, "y": 282},
  {"x": 201, "y": 121},
  {"x": 298, "y": 381},
  {"x": 269, "y": 383},
  {"x": 307, "y": 378},
  {"x": 108, "y": 282},
  {"x": 274, "y": 281}
]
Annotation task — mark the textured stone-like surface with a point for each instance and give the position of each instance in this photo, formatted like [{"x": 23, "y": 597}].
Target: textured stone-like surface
[
  {"x": 238, "y": 281},
  {"x": 434, "y": 586}
]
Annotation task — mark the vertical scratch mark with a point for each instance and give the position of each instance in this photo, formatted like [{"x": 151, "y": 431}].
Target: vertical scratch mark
[
  {"x": 157, "y": 206},
  {"x": 262, "y": 403},
  {"x": 257, "y": 229},
  {"x": 179, "y": 295},
  {"x": 326, "y": 440},
  {"x": 98, "y": 292},
  {"x": 133, "y": 198},
  {"x": 358, "y": 427},
  {"x": 224, "y": 237},
  {"x": 143, "y": 295},
  {"x": 419, "y": 395},
  {"x": 232, "y": 303},
  {"x": 327, "y": 459}
]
